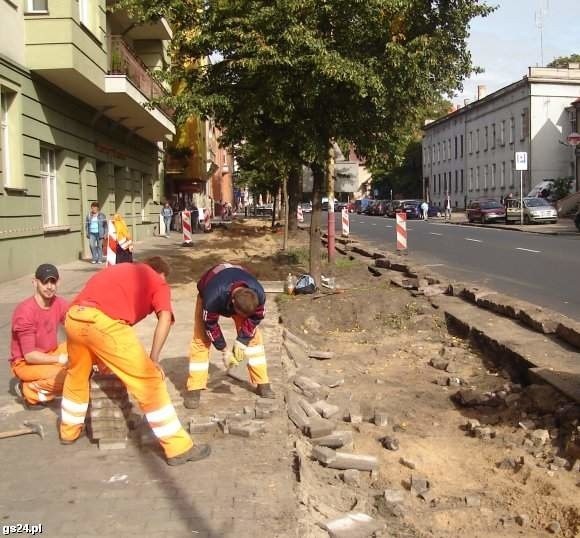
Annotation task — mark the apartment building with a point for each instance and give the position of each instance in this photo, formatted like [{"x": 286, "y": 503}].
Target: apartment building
[
  {"x": 470, "y": 153},
  {"x": 76, "y": 126}
]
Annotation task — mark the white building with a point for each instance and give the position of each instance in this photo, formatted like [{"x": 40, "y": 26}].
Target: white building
[{"x": 469, "y": 153}]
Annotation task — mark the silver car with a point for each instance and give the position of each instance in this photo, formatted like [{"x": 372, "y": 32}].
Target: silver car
[{"x": 535, "y": 210}]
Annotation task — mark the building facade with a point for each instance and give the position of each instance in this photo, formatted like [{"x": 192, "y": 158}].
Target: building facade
[
  {"x": 470, "y": 153},
  {"x": 76, "y": 127}
]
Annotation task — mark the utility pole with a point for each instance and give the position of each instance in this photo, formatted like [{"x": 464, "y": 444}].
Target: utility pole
[{"x": 539, "y": 17}]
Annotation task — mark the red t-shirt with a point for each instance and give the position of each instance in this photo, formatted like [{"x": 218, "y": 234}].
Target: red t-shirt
[
  {"x": 128, "y": 292},
  {"x": 35, "y": 328}
]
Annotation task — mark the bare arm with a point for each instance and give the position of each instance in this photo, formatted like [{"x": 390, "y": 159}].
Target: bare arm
[
  {"x": 164, "y": 319},
  {"x": 38, "y": 357}
]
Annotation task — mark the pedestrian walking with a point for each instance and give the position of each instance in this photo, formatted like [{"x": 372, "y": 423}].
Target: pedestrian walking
[
  {"x": 96, "y": 231},
  {"x": 167, "y": 214},
  {"x": 230, "y": 291},
  {"x": 99, "y": 327},
  {"x": 36, "y": 358},
  {"x": 448, "y": 208},
  {"x": 425, "y": 210}
]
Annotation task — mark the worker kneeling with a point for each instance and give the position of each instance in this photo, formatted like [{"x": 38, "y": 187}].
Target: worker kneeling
[
  {"x": 99, "y": 327},
  {"x": 230, "y": 291}
]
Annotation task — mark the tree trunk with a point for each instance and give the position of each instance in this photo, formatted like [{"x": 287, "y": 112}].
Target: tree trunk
[
  {"x": 317, "y": 187},
  {"x": 274, "y": 209},
  {"x": 285, "y": 202},
  {"x": 294, "y": 196},
  {"x": 330, "y": 190}
]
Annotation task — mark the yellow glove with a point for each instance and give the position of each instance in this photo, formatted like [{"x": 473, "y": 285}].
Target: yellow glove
[
  {"x": 239, "y": 351},
  {"x": 228, "y": 359}
]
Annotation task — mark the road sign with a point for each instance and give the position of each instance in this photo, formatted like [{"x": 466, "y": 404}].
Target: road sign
[{"x": 521, "y": 160}]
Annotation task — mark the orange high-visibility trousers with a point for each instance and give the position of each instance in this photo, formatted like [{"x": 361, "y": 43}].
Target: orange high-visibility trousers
[
  {"x": 199, "y": 353},
  {"x": 41, "y": 382},
  {"x": 92, "y": 335}
]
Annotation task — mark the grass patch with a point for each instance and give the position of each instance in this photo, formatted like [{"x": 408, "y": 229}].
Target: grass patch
[{"x": 345, "y": 263}]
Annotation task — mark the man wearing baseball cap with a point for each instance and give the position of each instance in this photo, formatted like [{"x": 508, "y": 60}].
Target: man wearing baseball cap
[{"x": 36, "y": 358}]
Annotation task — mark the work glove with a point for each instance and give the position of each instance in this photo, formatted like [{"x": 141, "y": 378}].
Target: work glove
[
  {"x": 228, "y": 359},
  {"x": 63, "y": 359},
  {"x": 239, "y": 351}
]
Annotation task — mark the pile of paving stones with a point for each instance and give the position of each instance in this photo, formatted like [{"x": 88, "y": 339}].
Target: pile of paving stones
[{"x": 109, "y": 410}]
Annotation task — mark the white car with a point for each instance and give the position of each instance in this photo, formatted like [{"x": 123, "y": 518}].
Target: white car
[{"x": 306, "y": 207}]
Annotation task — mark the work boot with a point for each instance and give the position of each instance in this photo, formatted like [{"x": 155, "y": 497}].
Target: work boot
[
  {"x": 265, "y": 391},
  {"x": 195, "y": 453},
  {"x": 192, "y": 398}
]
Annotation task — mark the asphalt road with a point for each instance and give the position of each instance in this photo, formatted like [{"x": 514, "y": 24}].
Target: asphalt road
[{"x": 541, "y": 269}]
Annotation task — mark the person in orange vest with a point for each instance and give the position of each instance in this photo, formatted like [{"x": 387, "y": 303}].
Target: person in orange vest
[
  {"x": 230, "y": 291},
  {"x": 99, "y": 328},
  {"x": 36, "y": 358}
]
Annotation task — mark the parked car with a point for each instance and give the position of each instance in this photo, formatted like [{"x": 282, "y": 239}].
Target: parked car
[
  {"x": 369, "y": 210},
  {"x": 393, "y": 207},
  {"x": 351, "y": 207},
  {"x": 339, "y": 206},
  {"x": 412, "y": 208},
  {"x": 535, "y": 210},
  {"x": 485, "y": 211},
  {"x": 361, "y": 205},
  {"x": 577, "y": 220},
  {"x": 306, "y": 207}
]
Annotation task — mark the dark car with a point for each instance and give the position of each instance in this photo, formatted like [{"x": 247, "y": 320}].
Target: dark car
[
  {"x": 370, "y": 208},
  {"x": 485, "y": 211},
  {"x": 412, "y": 208}
]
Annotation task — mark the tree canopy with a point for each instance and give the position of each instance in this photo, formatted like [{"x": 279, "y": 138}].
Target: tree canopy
[{"x": 563, "y": 61}]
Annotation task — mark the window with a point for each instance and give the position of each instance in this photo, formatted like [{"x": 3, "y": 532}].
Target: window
[
  {"x": 477, "y": 178},
  {"x": 512, "y": 174},
  {"x": 449, "y": 149},
  {"x": 493, "y": 135},
  {"x": 456, "y": 147},
  {"x": 493, "y": 173},
  {"x": 88, "y": 16},
  {"x": 502, "y": 133},
  {"x": 512, "y": 130},
  {"x": 5, "y": 146},
  {"x": 438, "y": 151},
  {"x": 525, "y": 128},
  {"x": 439, "y": 182},
  {"x": 470, "y": 143},
  {"x": 477, "y": 141},
  {"x": 461, "y": 147},
  {"x": 486, "y": 139},
  {"x": 470, "y": 179},
  {"x": 502, "y": 175},
  {"x": 485, "y": 170},
  {"x": 434, "y": 183},
  {"x": 433, "y": 153},
  {"x": 462, "y": 186},
  {"x": 37, "y": 6},
  {"x": 11, "y": 176},
  {"x": 48, "y": 186},
  {"x": 456, "y": 180}
]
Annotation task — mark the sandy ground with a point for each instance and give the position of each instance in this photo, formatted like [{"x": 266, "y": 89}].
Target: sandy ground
[{"x": 384, "y": 340}]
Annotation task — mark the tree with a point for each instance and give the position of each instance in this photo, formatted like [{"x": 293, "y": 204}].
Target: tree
[
  {"x": 563, "y": 61},
  {"x": 317, "y": 70}
]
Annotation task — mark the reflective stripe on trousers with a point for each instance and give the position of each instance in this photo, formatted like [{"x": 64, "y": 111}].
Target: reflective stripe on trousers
[
  {"x": 92, "y": 335},
  {"x": 200, "y": 347}
]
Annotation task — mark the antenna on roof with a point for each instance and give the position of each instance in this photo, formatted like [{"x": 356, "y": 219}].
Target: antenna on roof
[{"x": 539, "y": 18}]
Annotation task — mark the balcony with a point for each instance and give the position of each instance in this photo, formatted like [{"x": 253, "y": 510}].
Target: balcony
[{"x": 131, "y": 87}]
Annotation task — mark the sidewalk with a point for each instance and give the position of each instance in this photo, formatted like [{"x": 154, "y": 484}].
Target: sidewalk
[
  {"x": 244, "y": 488},
  {"x": 564, "y": 226}
]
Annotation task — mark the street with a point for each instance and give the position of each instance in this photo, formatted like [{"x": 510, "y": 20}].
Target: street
[{"x": 532, "y": 267}]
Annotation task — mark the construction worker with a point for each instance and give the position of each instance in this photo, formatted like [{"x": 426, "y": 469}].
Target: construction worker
[
  {"x": 230, "y": 291},
  {"x": 36, "y": 358},
  {"x": 99, "y": 329}
]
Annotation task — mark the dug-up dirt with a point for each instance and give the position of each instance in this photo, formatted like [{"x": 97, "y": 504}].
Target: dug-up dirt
[{"x": 489, "y": 453}]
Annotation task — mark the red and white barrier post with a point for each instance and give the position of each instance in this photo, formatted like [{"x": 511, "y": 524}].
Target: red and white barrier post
[
  {"x": 186, "y": 227},
  {"x": 207, "y": 220},
  {"x": 299, "y": 214},
  {"x": 401, "y": 233},
  {"x": 345, "y": 222}
]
